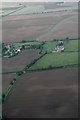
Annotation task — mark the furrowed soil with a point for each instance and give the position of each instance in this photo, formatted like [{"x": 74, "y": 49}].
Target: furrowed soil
[
  {"x": 47, "y": 26},
  {"x": 45, "y": 94},
  {"x": 20, "y": 61}
]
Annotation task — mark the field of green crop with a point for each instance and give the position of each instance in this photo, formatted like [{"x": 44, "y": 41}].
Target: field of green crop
[
  {"x": 30, "y": 9},
  {"x": 20, "y": 9},
  {"x": 8, "y": 8}
]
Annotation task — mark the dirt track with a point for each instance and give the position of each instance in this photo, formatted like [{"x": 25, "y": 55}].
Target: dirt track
[{"x": 47, "y": 94}]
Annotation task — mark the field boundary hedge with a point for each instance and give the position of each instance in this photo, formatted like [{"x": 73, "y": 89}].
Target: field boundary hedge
[
  {"x": 33, "y": 62},
  {"x": 52, "y": 68},
  {"x": 4, "y": 95}
]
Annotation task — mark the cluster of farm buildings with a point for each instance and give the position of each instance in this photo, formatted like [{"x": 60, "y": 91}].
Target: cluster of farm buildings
[
  {"x": 59, "y": 47},
  {"x": 9, "y": 51}
]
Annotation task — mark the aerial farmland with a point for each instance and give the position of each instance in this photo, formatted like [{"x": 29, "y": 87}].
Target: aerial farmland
[{"x": 39, "y": 60}]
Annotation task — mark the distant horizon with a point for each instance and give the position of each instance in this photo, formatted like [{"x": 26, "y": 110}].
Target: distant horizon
[{"x": 39, "y": 0}]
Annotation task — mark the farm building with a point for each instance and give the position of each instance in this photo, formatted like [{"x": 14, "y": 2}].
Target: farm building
[{"x": 60, "y": 47}]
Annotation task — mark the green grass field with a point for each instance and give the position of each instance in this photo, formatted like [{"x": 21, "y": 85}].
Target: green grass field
[
  {"x": 56, "y": 60},
  {"x": 71, "y": 45},
  {"x": 49, "y": 46}
]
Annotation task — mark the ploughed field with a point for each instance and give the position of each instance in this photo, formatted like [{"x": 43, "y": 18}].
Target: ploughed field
[
  {"x": 43, "y": 26},
  {"x": 46, "y": 94},
  {"x": 20, "y": 61}
]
